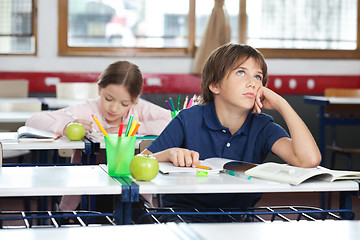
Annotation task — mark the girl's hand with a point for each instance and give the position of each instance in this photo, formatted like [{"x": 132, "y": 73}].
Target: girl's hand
[
  {"x": 181, "y": 157},
  {"x": 86, "y": 123}
]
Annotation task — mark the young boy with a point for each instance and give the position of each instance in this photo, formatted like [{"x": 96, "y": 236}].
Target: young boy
[{"x": 229, "y": 124}]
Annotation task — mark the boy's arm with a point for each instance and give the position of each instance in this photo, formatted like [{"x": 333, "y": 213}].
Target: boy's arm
[{"x": 301, "y": 150}]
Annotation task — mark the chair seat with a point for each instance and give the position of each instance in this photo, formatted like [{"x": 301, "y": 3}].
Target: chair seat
[{"x": 14, "y": 153}]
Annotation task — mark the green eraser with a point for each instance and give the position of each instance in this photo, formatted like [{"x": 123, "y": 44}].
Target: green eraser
[{"x": 201, "y": 173}]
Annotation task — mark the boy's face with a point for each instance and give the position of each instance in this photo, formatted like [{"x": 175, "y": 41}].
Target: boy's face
[
  {"x": 115, "y": 103},
  {"x": 239, "y": 87}
]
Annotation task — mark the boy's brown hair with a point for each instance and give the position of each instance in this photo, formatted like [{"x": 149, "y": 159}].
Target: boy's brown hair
[
  {"x": 223, "y": 60},
  {"x": 123, "y": 73}
]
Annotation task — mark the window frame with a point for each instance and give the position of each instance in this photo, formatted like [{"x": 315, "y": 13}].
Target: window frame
[
  {"x": 34, "y": 31},
  {"x": 65, "y": 50}
]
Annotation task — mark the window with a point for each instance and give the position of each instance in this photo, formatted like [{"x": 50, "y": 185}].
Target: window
[
  {"x": 278, "y": 28},
  {"x": 17, "y": 28}
]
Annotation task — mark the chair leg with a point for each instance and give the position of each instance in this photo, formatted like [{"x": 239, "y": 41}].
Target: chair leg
[{"x": 349, "y": 162}]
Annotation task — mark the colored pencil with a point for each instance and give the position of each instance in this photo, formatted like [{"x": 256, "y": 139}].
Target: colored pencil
[
  {"x": 135, "y": 129},
  {"x": 129, "y": 125},
  {"x": 121, "y": 129},
  {"x": 203, "y": 167},
  {"x": 172, "y": 104},
  {"x": 101, "y": 127},
  {"x": 133, "y": 125},
  {"x": 178, "y": 102},
  {"x": 186, "y": 102},
  {"x": 167, "y": 102}
]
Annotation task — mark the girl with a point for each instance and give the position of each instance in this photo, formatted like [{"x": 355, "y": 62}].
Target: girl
[
  {"x": 120, "y": 86},
  {"x": 229, "y": 124}
]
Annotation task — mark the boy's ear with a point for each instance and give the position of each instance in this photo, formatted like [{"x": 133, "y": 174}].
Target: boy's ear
[
  {"x": 214, "y": 88},
  {"x": 99, "y": 90}
]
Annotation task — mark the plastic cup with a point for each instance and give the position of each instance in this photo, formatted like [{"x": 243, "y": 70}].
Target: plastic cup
[
  {"x": 119, "y": 152},
  {"x": 174, "y": 113}
]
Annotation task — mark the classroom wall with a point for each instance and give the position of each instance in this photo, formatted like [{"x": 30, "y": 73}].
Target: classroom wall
[{"x": 297, "y": 77}]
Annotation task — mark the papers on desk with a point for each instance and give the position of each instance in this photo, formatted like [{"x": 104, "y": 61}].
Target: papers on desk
[
  {"x": 29, "y": 134},
  {"x": 296, "y": 175}
]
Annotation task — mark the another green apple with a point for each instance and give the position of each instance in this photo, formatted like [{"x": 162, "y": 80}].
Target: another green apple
[
  {"x": 144, "y": 167},
  {"x": 75, "y": 131}
]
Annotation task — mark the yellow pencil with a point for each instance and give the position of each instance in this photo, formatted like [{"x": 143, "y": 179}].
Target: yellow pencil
[
  {"x": 101, "y": 127},
  {"x": 133, "y": 125},
  {"x": 203, "y": 167}
]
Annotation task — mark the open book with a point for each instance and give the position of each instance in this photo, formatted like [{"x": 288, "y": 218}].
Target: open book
[
  {"x": 296, "y": 175},
  {"x": 29, "y": 134},
  {"x": 216, "y": 165}
]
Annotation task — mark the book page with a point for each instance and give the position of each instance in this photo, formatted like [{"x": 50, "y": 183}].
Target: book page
[
  {"x": 34, "y": 134},
  {"x": 283, "y": 173},
  {"x": 339, "y": 174}
]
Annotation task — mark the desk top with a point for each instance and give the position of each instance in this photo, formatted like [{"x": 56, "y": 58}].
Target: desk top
[
  {"x": 349, "y": 230},
  {"x": 321, "y": 100},
  {"x": 10, "y": 142},
  {"x": 223, "y": 183},
  {"x": 57, "y": 103},
  {"x": 18, "y": 117},
  {"x": 52, "y": 102},
  {"x": 142, "y": 231},
  {"x": 56, "y": 181}
]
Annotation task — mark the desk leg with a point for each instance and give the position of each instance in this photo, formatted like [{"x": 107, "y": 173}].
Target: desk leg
[{"x": 346, "y": 203}]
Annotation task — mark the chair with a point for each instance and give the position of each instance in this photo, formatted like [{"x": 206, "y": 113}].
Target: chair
[
  {"x": 16, "y": 88},
  {"x": 144, "y": 144},
  {"x": 14, "y": 106},
  {"x": 346, "y": 112},
  {"x": 76, "y": 90}
]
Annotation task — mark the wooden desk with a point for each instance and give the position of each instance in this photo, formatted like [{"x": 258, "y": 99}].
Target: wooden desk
[{"x": 322, "y": 102}]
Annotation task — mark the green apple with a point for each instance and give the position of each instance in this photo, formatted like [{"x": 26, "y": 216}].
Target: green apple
[
  {"x": 144, "y": 167},
  {"x": 75, "y": 131}
]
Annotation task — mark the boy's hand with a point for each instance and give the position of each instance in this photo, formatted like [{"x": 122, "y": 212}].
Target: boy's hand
[
  {"x": 181, "y": 157},
  {"x": 265, "y": 99}
]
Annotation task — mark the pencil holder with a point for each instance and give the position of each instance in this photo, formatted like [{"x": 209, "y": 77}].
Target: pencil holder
[
  {"x": 119, "y": 152},
  {"x": 174, "y": 113}
]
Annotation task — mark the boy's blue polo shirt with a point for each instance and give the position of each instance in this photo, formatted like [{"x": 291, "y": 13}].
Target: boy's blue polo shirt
[{"x": 198, "y": 128}]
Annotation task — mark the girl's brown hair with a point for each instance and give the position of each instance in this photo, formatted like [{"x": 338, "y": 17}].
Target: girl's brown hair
[
  {"x": 223, "y": 60},
  {"x": 123, "y": 73}
]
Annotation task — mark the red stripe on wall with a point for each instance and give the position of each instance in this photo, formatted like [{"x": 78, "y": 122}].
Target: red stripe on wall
[{"x": 188, "y": 83}]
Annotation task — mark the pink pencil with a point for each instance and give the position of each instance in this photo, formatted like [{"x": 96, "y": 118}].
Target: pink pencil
[{"x": 190, "y": 102}]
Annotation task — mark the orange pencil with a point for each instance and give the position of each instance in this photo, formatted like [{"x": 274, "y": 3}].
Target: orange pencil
[
  {"x": 203, "y": 167},
  {"x": 135, "y": 129}
]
